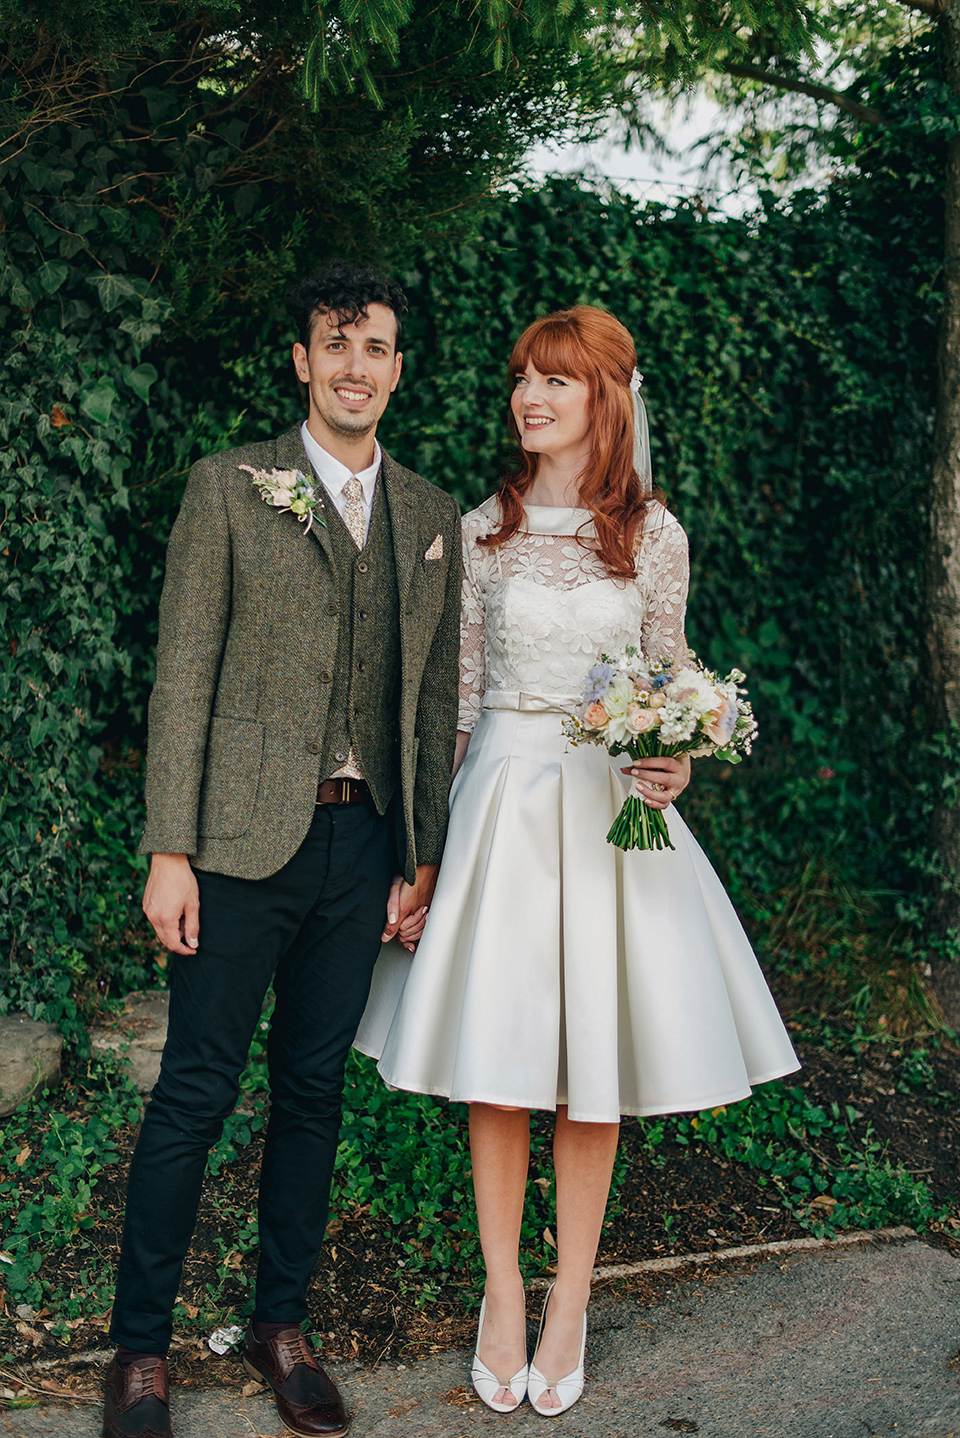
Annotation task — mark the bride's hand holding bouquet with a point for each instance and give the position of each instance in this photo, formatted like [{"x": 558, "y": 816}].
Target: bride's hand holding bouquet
[{"x": 663, "y": 708}]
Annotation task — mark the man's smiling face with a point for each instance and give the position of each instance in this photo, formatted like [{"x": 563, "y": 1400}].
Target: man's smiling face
[{"x": 350, "y": 372}]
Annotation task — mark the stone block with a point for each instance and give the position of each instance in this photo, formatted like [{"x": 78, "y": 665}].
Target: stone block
[
  {"x": 143, "y": 1025},
  {"x": 29, "y": 1059}
]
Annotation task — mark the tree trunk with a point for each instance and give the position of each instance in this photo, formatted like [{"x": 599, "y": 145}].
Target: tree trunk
[{"x": 943, "y": 553}]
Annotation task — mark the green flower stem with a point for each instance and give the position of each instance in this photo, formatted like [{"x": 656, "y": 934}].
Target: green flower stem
[{"x": 637, "y": 826}]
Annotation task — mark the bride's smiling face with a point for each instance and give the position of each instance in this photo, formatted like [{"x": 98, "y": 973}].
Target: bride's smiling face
[{"x": 552, "y": 413}]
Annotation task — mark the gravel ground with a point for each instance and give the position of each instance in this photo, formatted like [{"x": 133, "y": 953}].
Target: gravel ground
[{"x": 836, "y": 1342}]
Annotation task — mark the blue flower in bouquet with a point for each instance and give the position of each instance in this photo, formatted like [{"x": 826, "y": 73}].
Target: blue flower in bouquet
[{"x": 599, "y": 680}]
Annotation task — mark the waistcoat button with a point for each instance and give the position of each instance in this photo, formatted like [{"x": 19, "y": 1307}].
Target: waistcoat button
[
  {"x": 333, "y": 608},
  {"x": 362, "y": 567},
  {"x": 326, "y": 677},
  {"x": 313, "y": 747}
]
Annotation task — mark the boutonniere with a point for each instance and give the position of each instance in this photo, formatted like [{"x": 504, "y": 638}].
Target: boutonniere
[{"x": 289, "y": 489}]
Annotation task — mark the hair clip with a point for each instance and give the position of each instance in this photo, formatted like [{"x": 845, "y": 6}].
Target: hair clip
[{"x": 636, "y": 380}]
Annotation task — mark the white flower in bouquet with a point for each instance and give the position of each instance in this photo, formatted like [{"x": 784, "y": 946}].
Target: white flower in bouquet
[{"x": 617, "y": 702}]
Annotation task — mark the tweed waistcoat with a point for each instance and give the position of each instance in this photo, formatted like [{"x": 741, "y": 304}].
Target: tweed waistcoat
[{"x": 366, "y": 671}]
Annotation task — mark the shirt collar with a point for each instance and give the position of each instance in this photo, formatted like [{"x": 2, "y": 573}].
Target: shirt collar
[{"x": 333, "y": 474}]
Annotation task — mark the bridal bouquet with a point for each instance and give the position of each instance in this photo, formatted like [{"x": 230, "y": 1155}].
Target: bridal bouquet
[{"x": 642, "y": 707}]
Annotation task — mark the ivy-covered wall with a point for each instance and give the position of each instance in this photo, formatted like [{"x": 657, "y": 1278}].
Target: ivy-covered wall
[{"x": 788, "y": 375}]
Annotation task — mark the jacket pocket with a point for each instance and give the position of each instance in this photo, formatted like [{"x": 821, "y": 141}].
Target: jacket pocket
[{"x": 231, "y": 777}]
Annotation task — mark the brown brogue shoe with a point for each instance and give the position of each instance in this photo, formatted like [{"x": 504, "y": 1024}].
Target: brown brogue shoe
[
  {"x": 307, "y": 1400},
  {"x": 136, "y": 1401}
]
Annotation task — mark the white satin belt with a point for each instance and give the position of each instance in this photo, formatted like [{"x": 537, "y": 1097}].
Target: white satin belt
[{"x": 529, "y": 703}]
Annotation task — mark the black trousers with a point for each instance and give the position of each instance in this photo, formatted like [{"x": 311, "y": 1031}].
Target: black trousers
[{"x": 314, "y": 929}]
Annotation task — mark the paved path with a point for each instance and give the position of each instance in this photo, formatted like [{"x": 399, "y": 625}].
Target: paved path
[{"x": 830, "y": 1343}]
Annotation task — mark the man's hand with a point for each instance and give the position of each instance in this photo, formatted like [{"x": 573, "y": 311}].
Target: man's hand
[
  {"x": 171, "y": 901},
  {"x": 408, "y": 904}
]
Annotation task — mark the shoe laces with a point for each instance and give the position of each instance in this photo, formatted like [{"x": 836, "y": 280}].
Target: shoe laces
[{"x": 295, "y": 1350}]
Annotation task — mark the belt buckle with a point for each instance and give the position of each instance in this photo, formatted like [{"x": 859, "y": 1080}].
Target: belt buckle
[{"x": 344, "y": 791}]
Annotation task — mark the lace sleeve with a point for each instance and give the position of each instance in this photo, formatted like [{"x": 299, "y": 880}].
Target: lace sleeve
[
  {"x": 668, "y": 578},
  {"x": 472, "y": 629}
]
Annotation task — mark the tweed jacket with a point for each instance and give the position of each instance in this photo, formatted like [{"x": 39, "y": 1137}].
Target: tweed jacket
[{"x": 247, "y": 644}]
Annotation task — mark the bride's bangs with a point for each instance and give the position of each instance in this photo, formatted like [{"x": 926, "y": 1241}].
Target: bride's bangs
[{"x": 553, "y": 346}]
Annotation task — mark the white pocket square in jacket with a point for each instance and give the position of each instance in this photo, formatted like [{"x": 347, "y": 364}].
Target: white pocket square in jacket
[{"x": 436, "y": 549}]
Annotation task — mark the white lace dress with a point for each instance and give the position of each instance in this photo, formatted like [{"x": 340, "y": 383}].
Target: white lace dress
[{"x": 554, "y": 968}]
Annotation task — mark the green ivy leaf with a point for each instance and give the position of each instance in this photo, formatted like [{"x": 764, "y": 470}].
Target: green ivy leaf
[
  {"x": 140, "y": 379},
  {"x": 98, "y": 402},
  {"x": 112, "y": 289},
  {"x": 52, "y": 275}
]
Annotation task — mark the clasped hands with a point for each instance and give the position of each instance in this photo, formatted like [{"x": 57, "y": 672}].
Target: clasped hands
[{"x": 408, "y": 905}]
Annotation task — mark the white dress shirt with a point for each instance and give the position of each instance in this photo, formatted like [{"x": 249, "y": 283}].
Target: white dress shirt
[{"x": 333, "y": 475}]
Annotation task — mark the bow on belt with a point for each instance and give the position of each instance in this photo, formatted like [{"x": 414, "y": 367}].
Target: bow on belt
[{"x": 529, "y": 703}]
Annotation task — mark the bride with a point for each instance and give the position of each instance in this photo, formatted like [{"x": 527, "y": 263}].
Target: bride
[{"x": 556, "y": 972}]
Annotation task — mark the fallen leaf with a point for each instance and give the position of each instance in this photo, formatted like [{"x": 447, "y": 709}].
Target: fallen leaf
[
  {"x": 23, "y": 1155},
  {"x": 549, "y": 1238},
  {"x": 249, "y": 1389},
  {"x": 57, "y": 417},
  {"x": 462, "y": 1397}
]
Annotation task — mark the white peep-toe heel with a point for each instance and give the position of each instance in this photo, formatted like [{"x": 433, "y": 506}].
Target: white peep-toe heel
[
  {"x": 486, "y": 1384},
  {"x": 568, "y": 1389}
]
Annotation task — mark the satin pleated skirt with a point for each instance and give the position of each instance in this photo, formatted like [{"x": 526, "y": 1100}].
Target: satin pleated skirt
[{"x": 555, "y": 969}]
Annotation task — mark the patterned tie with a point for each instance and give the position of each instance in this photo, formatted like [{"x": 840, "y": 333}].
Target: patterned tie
[{"x": 353, "y": 515}]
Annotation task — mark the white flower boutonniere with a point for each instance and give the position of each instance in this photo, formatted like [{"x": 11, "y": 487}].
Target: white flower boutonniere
[{"x": 289, "y": 489}]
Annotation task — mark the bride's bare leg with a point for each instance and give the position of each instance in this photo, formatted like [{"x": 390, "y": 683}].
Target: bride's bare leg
[
  {"x": 500, "y": 1153},
  {"x": 583, "y": 1155}
]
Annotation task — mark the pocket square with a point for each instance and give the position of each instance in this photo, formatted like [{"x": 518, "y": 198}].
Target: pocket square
[{"x": 436, "y": 549}]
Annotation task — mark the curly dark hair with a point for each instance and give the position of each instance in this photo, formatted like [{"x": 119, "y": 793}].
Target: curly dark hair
[{"x": 345, "y": 290}]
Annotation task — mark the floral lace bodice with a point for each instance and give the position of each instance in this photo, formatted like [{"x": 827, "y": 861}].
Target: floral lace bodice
[{"x": 538, "y": 610}]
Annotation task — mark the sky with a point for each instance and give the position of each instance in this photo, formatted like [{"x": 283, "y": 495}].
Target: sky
[{"x": 641, "y": 172}]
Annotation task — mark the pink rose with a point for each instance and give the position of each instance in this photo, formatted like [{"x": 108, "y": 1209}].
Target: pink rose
[
  {"x": 657, "y": 700},
  {"x": 721, "y": 724},
  {"x": 640, "y": 720},
  {"x": 595, "y": 716}
]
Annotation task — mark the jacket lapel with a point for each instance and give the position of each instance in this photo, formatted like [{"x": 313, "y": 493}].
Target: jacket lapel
[{"x": 406, "y": 532}]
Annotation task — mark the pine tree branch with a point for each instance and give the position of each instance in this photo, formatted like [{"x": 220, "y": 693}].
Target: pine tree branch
[
  {"x": 933, "y": 8},
  {"x": 804, "y": 87}
]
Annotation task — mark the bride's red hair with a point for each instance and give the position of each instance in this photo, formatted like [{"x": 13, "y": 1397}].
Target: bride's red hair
[{"x": 587, "y": 344}]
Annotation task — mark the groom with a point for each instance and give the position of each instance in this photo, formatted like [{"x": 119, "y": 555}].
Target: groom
[{"x": 301, "y": 738}]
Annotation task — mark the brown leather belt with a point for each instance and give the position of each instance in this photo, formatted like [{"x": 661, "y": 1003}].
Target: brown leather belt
[{"x": 343, "y": 791}]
